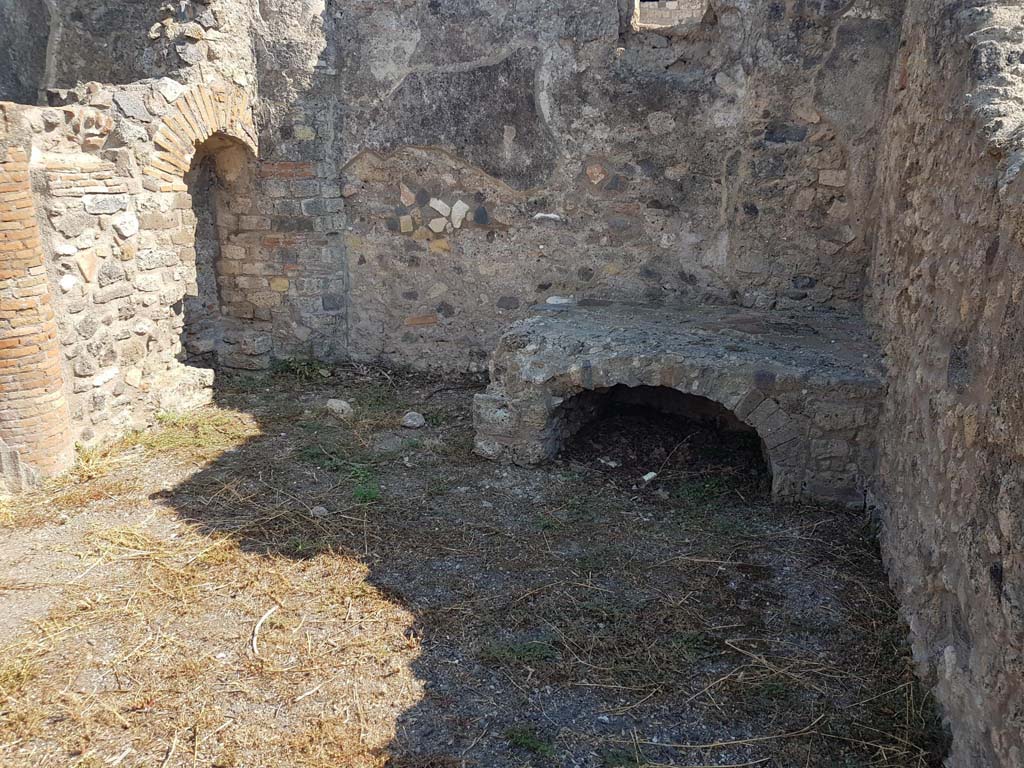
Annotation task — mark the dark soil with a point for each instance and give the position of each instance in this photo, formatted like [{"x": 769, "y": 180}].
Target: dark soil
[{"x": 629, "y": 441}]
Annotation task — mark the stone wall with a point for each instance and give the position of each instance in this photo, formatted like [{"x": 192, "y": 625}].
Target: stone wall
[
  {"x": 115, "y": 221},
  {"x": 720, "y": 160},
  {"x": 24, "y": 33},
  {"x": 947, "y": 281},
  {"x": 595, "y": 161}
]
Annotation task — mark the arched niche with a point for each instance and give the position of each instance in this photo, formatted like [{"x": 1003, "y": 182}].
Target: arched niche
[
  {"x": 204, "y": 161},
  {"x": 216, "y": 306},
  {"x": 662, "y": 426}
]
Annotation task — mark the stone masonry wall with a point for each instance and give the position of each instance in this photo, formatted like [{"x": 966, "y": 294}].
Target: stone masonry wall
[
  {"x": 116, "y": 227},
  {"x": 568, "y": 153},
  {"x": 24, "y": 31},
  {"x": 947, "y": 283}
]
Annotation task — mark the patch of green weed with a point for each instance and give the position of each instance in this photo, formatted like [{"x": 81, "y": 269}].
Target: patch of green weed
[
  {"x": 367, "y": 487},
  {"x": 518, "y": 652},
  {"x": 303, "y": 370},
  {"x": 527, "y": 738}
]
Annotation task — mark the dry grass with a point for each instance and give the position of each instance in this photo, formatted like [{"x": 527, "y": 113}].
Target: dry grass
[
  {"x": 441, "y": 613},
  {"x": 162, "y": 657}
]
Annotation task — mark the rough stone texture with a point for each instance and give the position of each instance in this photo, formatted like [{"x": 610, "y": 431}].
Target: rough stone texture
[
  {"x": 947, "y": 280},
  {"x": 24, "y": 32},
  {"x": 428, "y": 171},
  {"x": 678, "y": 171},
  {"x": 119, "y": 231},
  {"x": 809, "y": 383},
  {"x": 592, "y": 157}
]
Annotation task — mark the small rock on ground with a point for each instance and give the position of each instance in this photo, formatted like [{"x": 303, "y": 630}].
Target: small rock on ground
[
  {"x": 413, "y": 420},
  {"x": 340, "y": 408}
]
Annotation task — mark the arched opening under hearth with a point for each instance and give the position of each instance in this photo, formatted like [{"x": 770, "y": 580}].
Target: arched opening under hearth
[{"x": 680, "y": 444}]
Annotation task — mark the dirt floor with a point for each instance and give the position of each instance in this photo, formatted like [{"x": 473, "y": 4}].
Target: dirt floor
[{"x": 259, "y": 583}]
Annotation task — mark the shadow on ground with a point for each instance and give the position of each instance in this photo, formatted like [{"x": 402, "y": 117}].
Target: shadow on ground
[
  {"x": 575, "y": 615},
  {"x": 306, "y": 590}
]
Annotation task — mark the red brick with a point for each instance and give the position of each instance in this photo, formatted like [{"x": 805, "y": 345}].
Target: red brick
[{"x": 35, "y": 420}]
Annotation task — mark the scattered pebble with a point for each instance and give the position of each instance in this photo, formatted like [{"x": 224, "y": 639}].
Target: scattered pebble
[
  {"x": 340, "y": 408},
  {"x": 413, "y": 420},
  {"x": 650, "y": 476},
  {"x": 319, "y": 512}
]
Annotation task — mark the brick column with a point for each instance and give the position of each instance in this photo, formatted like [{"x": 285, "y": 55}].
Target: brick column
[{"x": 35, "y": 430}]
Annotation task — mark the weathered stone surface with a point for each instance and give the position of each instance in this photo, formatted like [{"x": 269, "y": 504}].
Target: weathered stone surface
[
  {"x": 126, "y": 224},
  {"x": 413, "y": 420},
  {"x": 99, "y": 204},
  {"x": 732, "y": 161},
  {"x": 340, "y": 408},
  {"x": 24, "y": 28},
  {"x": 133, "y": 105},
  {"x": 948, "y": 259},
  {"x": 782, "y": 374}
]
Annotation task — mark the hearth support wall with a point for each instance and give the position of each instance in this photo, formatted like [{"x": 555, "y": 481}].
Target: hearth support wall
[{"x": 814, "y": 404}]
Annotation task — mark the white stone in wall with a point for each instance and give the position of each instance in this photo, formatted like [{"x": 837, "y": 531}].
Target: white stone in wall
[
  {"x": 459, "y": 211},
  {"x": 99, "y": 204},
  {"x": 104, "y": 376},
  {"x": 126, "y": 224},
  {"x": 169, "y": 89}
]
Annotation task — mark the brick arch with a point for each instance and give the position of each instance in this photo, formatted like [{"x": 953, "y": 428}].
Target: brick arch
[
  {"x": 197, "y": 115},
  {"x": 783, "y": 434}
]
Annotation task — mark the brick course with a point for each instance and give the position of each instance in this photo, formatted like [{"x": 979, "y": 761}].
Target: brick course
[{"x": 34, "y": 422}]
